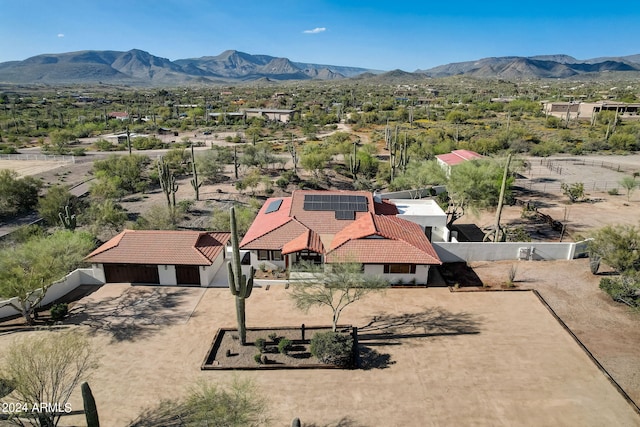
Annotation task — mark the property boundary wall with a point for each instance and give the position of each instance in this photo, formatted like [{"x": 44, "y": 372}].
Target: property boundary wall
[
  {"x": 501, "y": 251},
  {"x": 80, "y": 276}
]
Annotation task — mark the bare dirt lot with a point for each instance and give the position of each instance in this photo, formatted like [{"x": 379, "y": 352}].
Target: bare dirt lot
[
  {"x": 461, "y": 358},
  {"x": 31, "y": 167}
]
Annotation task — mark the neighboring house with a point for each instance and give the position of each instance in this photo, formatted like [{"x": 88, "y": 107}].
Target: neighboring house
[
  {"x": 336, "y": 226},
  {"x": 589, "y": 110},
  {"x": 120, "y": 115},
  {"x": 283, "y": 116},
  {"x": 447, "y": 161},
  {"x": 160, "y": 257}
]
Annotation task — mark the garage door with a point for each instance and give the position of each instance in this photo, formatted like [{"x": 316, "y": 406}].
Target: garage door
[
  {"x": 188, "y": 275},
  {"x": 131, "y": 273}
]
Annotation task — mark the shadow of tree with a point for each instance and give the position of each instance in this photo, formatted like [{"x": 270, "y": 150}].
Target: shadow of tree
[
  {"x": 434, "y": 321},
  {"x": 372, "y": 359},
  {"x": 389, "y": 329},
  {"x": 137, "y": 313}
]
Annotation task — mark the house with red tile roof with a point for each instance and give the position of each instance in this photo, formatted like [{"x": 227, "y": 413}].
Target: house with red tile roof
[
  {"x": 337, "y": 226},
  {"x": 160, "y": 257},
  {"x": 447, "y": 161}
]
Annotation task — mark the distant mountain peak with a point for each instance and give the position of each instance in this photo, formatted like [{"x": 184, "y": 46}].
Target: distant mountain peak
[{"x": 138, "y": 67}]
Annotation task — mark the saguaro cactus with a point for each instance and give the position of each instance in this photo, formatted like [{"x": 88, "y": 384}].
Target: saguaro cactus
[
  {"x": 67, "y": 218},
  {"x": 239, "y": 284},
  {"x": 90, "y": 408},
  {"x": 167, "y": 182},
  {"x": 354, "y": 162},
  {"x": 194, "y": 181}
]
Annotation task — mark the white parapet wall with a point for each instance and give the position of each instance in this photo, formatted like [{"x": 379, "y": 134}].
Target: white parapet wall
[
  {"x": 81, "y": 276},
  {"x": 488, "y": 251}
]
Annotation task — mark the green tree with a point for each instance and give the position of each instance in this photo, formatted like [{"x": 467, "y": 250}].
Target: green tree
[
  {"x": 210, "y": 165},
  {"x": 60, "y": 140},
  {"x": 46, "y": 369},
  {"x": 54, "y": 202},
  {"x": 338, "y": 286},
  {"x": 238, "y": 405},
  {"x": 160, "y": 217},
  {"x": 103, "y": 216},
  {"x": 618, "y": 246},
  {"x": 244, "y": 217},
  {"x": 29, "y": 269},
  {"x": 474, "y": 185},
  {"x": 17, "y": 195},
  {"x": 122, "y": 174},
  {"x": 575, "y": 191},
  {"x": 629, "y": 184},
  {"x": 457, "y": 117},
  {"x": 314, "y": 159}
]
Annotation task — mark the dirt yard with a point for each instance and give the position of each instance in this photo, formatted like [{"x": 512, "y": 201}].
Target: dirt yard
[
  {"x": 31, "y": 167},
  {"x": 452, "y": 358}
]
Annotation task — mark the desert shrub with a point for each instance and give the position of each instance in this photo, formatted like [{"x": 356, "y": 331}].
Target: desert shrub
[
  {"x": 575, "y": 191},
  {"x": 261, "y": 344},
  {"x": 7, "y": 149},
  {"x": 332, "y": 347},
  {"x": 104, "y": 145},
  {"x": 273, "y": 336},
  {"x": 625, "y": 288},
  {"x": 284, "y": 345},
  {"x": 59, "y": 312},
  {"x": 258, "y": 358},
  {"x": 613, "y": 192}
]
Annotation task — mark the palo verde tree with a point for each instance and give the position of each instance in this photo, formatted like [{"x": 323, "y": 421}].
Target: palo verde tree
[
  {"x": 618, "y": 246},
  {"x": 17, "y": 195},
  {"x": 340, "y": 285},
  {"x": 239, "y": 284},
  {"x": 46, "y": 369},
  {"x": 629, "y": 184},
  {"x": 27, "y": 270},
  {"x": 474, "y": 185}
]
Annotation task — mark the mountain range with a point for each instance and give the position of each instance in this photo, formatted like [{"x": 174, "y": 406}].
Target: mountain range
[{"x": 139, "y": 68}]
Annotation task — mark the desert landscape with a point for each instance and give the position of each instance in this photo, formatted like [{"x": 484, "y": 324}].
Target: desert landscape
[{"x": 427, "y": 347}]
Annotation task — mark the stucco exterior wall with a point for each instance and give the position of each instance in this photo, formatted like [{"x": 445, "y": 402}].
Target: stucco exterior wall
[
  {"x": 167, "y": 275},
  {"x": 488, "y": 251},
  {"x": 421, "y": 276},
  {"x": 208, "y": 273},
  {"x": 81, "y": 276}
]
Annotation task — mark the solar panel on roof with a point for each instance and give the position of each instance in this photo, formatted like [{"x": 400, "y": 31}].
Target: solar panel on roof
[
  {"x": 335, "y": 202},
  {"x": 273, "y": 206},
  {"x": 350, "y": 215}
]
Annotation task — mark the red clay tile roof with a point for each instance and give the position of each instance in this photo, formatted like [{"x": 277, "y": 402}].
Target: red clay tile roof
[
  {"x": 377, "y": 239},
  {"x": 275, "y": 239},
  {"x": 458, "y": 156},
  {"x": 309, "y": 240},
  {"x": 324, "y": 222},
  {"x": 370, "y": 238},
  {"x": 267, "y": 222},
  {"x": 161, "y": 248}
]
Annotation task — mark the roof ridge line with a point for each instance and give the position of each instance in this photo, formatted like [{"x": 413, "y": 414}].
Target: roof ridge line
[{"x": 273, "y": 229}]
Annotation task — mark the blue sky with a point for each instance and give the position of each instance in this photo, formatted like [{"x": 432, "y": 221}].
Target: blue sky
[{"x": 408, "y": 35}]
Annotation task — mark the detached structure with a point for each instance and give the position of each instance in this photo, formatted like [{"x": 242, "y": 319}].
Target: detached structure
[
  {"x": 324, "y": 227},
  {"x": 447, "y": 161},
  {"x": 274, "y": 115},
  {"x": 160, "y": 257},
  {"x": 589, "y": 110}
]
